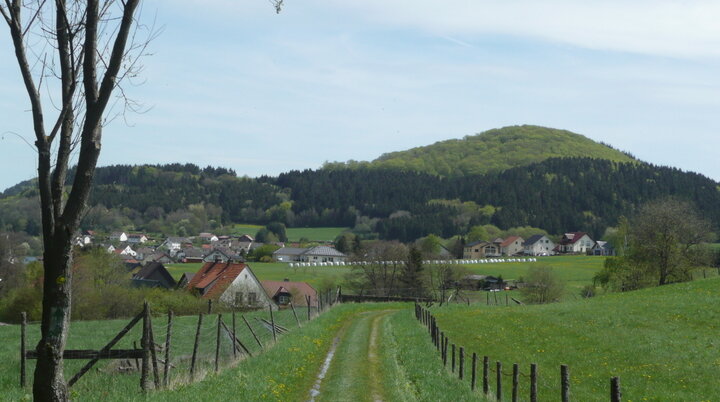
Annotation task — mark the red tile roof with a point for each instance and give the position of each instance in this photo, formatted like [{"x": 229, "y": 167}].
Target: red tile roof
[
  {"x": 214, "y": 278},
  {"x": 509, "y": 241},
  {"x": 576, "y": 236}
]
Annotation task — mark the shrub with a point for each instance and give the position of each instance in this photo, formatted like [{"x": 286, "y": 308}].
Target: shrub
[{"x": 542, "y": 285}]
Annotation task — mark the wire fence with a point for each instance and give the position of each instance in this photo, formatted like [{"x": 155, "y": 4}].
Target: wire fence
[
  {"x": 454, "y": 356},
  {"x": 166, "y": 351}
]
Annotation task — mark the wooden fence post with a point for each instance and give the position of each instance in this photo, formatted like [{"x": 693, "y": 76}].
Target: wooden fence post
[
  {"x": 564, "y": 383},
  {"x": 498, "y": 367},
  {"x": 234, "y": 335},
  {"x": 515, "y": 378},
  {"x": 461, "y": 366},
  {"x": 473, "y": 377},
  {"x": 272, "y": 322},
  {"x": 486, "y": 374},
  {"x": 209, "y": 306},
  {"x": 145, "y": 345},
  {"x": 166, "y": 370},
  {"x": 251, "y": 331},
  {"x": 615, "y": 393},
  {"x": 308, "y": 305},
  {"x": 445, "y": 351},
  {"x": 295, "y": 314},
  {"x": 23, "y": 358},
  {"x": 453, "y": 359},
  {"x": 533, "y": 382},
  {"x": 217, "y": 344},
  {"x": 153, "y": 351},
  {"x": 195, "y": 347}
]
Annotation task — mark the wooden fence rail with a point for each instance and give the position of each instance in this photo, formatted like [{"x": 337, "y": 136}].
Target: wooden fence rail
[{"x": 146, "y": 356}]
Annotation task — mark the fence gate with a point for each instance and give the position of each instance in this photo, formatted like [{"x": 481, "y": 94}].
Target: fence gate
[{"x": 147, "y": 348}]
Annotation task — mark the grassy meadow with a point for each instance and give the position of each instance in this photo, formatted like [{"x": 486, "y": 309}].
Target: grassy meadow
[
  {"x": 322, "y": 234},
  {"x": 317, "y": 277},
  {"x": 661, "y": 342},
  {"x": 404, "y": 367}
]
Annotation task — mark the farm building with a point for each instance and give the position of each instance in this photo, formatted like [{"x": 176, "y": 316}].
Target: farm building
[
  {"x": 153, "y": 274},
  {"x": 313, "y": 254},
  {"x": 284, "y": 292},
  {"x": 481, "y": 282}
]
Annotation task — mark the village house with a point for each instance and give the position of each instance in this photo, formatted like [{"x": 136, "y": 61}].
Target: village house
[
  {"x": 153, "y": 275},
  {"x": 285, "y": 292},
  {"x": 127, "y": 250},
  {"x": 208, "y": 237},
  {"x": 232, "y": 284},
  {"x": 538, "y": 245},
  {"x": 513, "y": 245},
  {"x": 575, "y": 243},
  {"x": 602, "y": 248},
  {"x": 136, "y": 238},
  {"x": 118, "y": 236},
  {"x": 173, "y": 244},
  {"x": 481, "y": 249}
]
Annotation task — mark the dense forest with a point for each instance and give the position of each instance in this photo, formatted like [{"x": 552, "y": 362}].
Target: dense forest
[{"x": 558, "y": 195}]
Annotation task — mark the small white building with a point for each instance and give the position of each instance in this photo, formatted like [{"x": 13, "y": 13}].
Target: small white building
[{"x": 118, "y": 236}]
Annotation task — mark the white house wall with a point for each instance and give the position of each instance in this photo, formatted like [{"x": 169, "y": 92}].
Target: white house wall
[{"x": 246, "y": 283}]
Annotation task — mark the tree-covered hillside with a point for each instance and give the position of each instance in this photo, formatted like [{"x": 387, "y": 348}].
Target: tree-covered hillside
[{"x": 493, "y": 151}]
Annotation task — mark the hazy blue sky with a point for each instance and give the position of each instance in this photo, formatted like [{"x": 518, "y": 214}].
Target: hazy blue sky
[{"x": 230, "y": 83}]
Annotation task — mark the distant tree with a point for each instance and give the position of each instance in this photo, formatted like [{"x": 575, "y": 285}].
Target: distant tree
[
  {"x": 477, "y": 233},
  {"x": 664, "y": 244},
  {"x": 429, "y": 245},
  {"x": 541, "y": 285},
  {"x": 411, "y": 276},
  {"x": 279, "y": 230}
]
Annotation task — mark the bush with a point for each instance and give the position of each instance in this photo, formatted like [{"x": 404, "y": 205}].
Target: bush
[
  {"x": 588, "y": 291},
  {"x": 542, "y": 285}
]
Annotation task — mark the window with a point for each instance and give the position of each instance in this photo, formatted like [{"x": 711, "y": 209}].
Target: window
[
  {"x": 252, "y": 298},
  {"x": 238, "y": 298},
  {"x": 283, "y": 299}
]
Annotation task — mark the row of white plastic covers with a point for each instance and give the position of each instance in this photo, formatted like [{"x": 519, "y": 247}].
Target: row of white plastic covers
[{"x": 427, "y": 262}]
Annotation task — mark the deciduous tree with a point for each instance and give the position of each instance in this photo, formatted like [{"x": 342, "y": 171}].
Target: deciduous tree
[{"x": 90, "y": 48}]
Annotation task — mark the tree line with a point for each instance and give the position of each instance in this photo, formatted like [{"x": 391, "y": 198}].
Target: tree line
[{"x": 557, "y": 195}]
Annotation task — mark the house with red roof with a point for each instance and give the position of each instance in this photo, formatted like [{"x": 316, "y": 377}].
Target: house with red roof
[
  {"x": 575, "y": 243},
  {"x": 231, "y": 283},
  {"x": 513, "y": 245}
]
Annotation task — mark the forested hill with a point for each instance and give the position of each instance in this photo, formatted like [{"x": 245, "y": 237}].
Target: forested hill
[
  {"x": 492, "y": 151},
  {"x": 557, "y": 195}
]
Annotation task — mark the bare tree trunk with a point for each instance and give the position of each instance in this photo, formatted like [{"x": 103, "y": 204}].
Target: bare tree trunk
[{"x": 76, "y": 36}]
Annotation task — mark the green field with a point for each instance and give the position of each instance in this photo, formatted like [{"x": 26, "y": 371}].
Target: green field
[
  {"x": 575, "y": 270},
  {"x": 661, "y": 342},
  {"x": 314, "y": 234},
  {"x": 326, "y": 234},
  {"x": 382, "y": 353},
  {"x": 317, "y": 277}
]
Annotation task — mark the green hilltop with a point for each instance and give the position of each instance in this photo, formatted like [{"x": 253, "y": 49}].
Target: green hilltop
[{"x": 497, "y": 150}]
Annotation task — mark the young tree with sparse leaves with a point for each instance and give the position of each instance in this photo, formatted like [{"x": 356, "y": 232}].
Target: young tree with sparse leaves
[{"x": 91, "y": 47}]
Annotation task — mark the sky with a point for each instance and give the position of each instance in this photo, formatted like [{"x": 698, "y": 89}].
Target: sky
[{"x": 232, "y": 83}]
